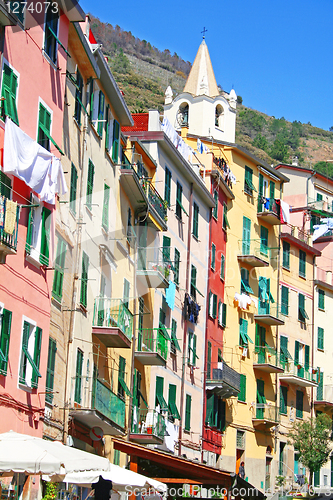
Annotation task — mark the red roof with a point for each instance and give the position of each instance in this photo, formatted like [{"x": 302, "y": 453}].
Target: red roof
[{"x": 140, "y": 123}]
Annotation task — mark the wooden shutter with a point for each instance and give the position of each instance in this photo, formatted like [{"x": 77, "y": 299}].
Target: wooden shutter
[
  {"x": 321, "y": 299},
  {"x": 261, "y": 192},
  {"x": 179, "y": 196},
  {"x": 286, "y": 255},
  {"x": 296, "y": 357},
  {"x": 101, "y": 103},
  {"x": 271, "y": 194},
  {"x": 91, "y": 93},
  {"x": 209, "y": 359},
  {"x": 299, "y": 404},
  {"x": 5, "y": 185},
  {"x": 302, "y": 263},
  {"x": 284, "y": 300},
  {"x": 188, "y": 412},
  {"x": 167, "y": 187},
  {"x": 209, "y": 408},
  {"x": 73, "y": 189},
  {"x": 50, "y": 370},
  {"x": 36, "y": 358},
  {"x": 212, "y": 258},
  {"x": 320, "y": 388},
  {"x": 78, "y": 376},
  {"x": 105, "y": 215},
  {"x": 242, "y": 392},
  {"x": 45, "y": 238},
  {"x": 306, "y": 357},
  {"x": 5, "y": 337},
  {"x": 84, "y": 280},
  {"x": 263, "y": 240},
  {"x": 246, "y": 236},
  {"x": 107, "y": 128},
  {"x": 221, "y": 423},
  {"x": 194, "y": 349},
  {"x": 261, "y": 399},
  {"x": 320, "y": 341},
  {"x": 195, "y": 220},
  {"x": 224, "y": 315},
  {"x": 9, "y": 89},
  {"x": 215, "y": 209},
  {"x": 59, "y": 269},
  {"x": 90, "y": 184},
  {"x": 283, "y": 399},
  {"x": 222, "y": 275},
  {"x": 115, "y": 142},
  {"x": 166, "y": 249},
  {"x": 30, "y": 227},
  {"x": 176, "y": 266},
  {"x": 214, "y": 305}
]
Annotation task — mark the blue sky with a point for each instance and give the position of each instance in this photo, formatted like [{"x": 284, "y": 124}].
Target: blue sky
[{"x": 277, "y": 55}]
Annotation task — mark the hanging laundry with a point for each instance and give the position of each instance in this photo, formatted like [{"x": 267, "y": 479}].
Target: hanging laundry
[
  {"x": 170, "y": 293},
  {"x": 243, "y": 300},
  {"x": 266, "y": 203},
  {"x": 319, "y": 230},
  {"x": 191, "y": 309},
  {"x": 10, "y": 216},
  {"x": 285, "y": 210}
]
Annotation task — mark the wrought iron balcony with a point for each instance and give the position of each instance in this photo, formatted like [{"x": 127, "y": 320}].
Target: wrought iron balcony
[
  {"x": 267, "y": 359},
  {"x": 152, "y": 346},
  {"x": 154, "y": 267},
  {"x": 148, "y": 426},
  {"x": 269, "y": 211},
  {"x": 8, "y": 231},
  {"x": 266, "y": 415},
  {"x": 112, "y": 322},
  {"x": 298, "y": 374},
  {"x": 223, "y": 380},
  {"x": 253, "y": 252},
  {"x": 268, "y": 313}
]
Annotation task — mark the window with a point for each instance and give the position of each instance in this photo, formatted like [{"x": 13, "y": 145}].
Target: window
[
  {"x": 193, "y": 288},
  {"x": 302, "y": 263},
  {"x": 50, "y": 370},
  {"x": 166, "y": 250},
  {"x": 212, "y": 305},
  {"x": 105, "y": 215},
  {"x": 215, "y": 412},
  {"x": 78, "y": 97},
  {"x": 284, "y": 353},
  {"x": 263, "y": 240},
  {"x": 30, "y": 355},
  {"x": 38, "y": 233},
  {"x": 122, "y": 386},
  {"x": 172, "y": 406},
  {"x": 195, "y": 230},
  {"x": 246, "y": 241},
  {"x": 115, "y": 141},
  {"x": 167, "y": 187},
  {"x": 90, "y": 184},
  {"x": 5, "y": 324},
  {"x": 302, "y": 315},
  {"x": 261, "y": 399},
  {"x": 286, "y": 255},
  {"x": 84, "y": 279},
  {"x": 73, "y": 190},
  {"x": 212, "y": 257},
  {"x": 299, "y": 404},
  {"x": 101, "y": 106},
  {"x": 44, "y": 127},
  {"x": 215, "y": 209},
  {"x": 245, "y": 286},
  {"x": 284, "y": 300},
  {"x": 192, "y": 349},
  {"x": 319, "y": 197},
  {"x": 9, "y": 94},
  {"x": 51, "y": 33},
  {"x": 209, "y": 359},
  {"x": 302, "y": 357},
  {"x": 320, "y": 338},
  {"x": 159, "y": 398},
  {"x": 242, "y": 389},
  {"x": 321, "y": 299},
  {"x": 244, "y": 339},
  {"x": 59, "y": 269},
  {"x": 248, "y": 184},
  {"x": 5, "y": 185},
  {"x": 176, "y": 266},
  {"x": 240, "y": 439},
  {"x": 283, "y": 399},
  {"x": 225, "y": 223},
  {"x": 17, "y": 8},
  {"x": 222, "y": 274},
  {"x": 179, "y": 200},
  {"x": 109, "y": 129},
  {"x": 78, "y": 376},
  {"x": 188, "y": 404},
  {"x": 222, "y": 314}
]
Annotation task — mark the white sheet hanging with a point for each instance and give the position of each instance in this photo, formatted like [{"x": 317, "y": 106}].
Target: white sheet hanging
[{"x": 30, "y": 162}]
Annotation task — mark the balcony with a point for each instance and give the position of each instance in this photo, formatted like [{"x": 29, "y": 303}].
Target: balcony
[
  {"x": 101, "y": 408},
  {"x": 112, "y": 322},
  {"x": 253, "y": 253},
  {"x": 266, "y": 416},
  {"x": 153, "y": 267},
  {"x": 267, "y": 360},
  {"x": 268, "y": 314},
  {"x": 298, "y": 374},
  {"x": 157, "y": 208},
  {"x": 223, "y": 380},
  {"x": 296, "y": 232},
  {"x": 8, "y": 231},
  {"x": 152, "y": 346},
  {"x": 148, "y": 426},
  {"x": 324, "y": 400},
  {"x": 270, "y": 214}
]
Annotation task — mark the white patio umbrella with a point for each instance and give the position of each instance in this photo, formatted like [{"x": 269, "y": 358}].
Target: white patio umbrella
[
  {"x": 120, "y": 479},
  {"x": 33, "y": 455}
]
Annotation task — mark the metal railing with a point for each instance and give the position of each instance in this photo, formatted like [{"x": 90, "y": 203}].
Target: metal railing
[
  {"x": 266, "y": 355},
  {"x": 9, "y": 238},
  {"x": 153, "y": 340},
  {"x": 267, "y": 308},
  {"x": 157, "y": 202},
  {"x": 257, "y": 248},
  {"x": 267, "y": 412},
  {"x": 320, "y": 205},
  {"x": 271, "y": 206},
  {"x": 298, "y": 370},
  {"x": 148, "y": 422},
  {"x": 113, "y": 313},
  {"x": 155, "y": 259},
  {"x": 298, "y": 233},
  {"x": 220, "y": 372}
]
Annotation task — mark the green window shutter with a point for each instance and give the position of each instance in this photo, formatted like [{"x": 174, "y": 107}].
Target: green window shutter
[
  {"x": 248, "y": 184},
  {"x": 5, "y": 185},
  {"x": 320, "y": 388},
  {"x": 264, "y": 240},
  {"x": 261, "y": 399},
  {"x": 320, "y": 342},
  {"x": 302, "y": 314},
  {"x": 195, "y": 220},
  {"x": 261, "y": 193},
  {"x": 306, "y": 357},
  {"x": 299, "y": 404},
  {"x": 84, "y": 280},
  {"x": 194, "y": 350},
  {"x": 221, "y": 422},
  {"x": 44, "y": 127},
  {"x": 302, "y": 264},
  {"x": 36, "y": 358},
  {"x": 50, "y": 370},
  {"x": 242, "y": 392},
  {"x": 122, "y": 386},
  {"x": 166, "y": 249},
  {"x": 25, "y": 342},
  {"x": 174, "y": 335},
  {"x": 246, "y": 236},
  {"x": 225, "y": 223},
  {"x": 188, "y": 404},
  {"x": 115, "y": 141},
  {"x": 59, "y": 269},
  {"x": 126, "y": 292},
  {"x": 319, "y": 197},
  {"x": 224, "y": 315},
  {"x": 245, "y": 286},
  {"x": 286, "y": 255},
  {"x": 321, "y": 299},
  {"x": 222, "y": 275},
  {"x": 45, "y": 239},
  {"x": 90, "y": 184},
  {"x": 193, "y": 289},
  {"x": 209, "y": 359},
  {"x": 107, "y": 127},
  {"x": 91, "y": 100},
  {"x": 271, "y": 194},
  {"x": 296, "y": 357},
  {"x": 78, "y": 97},
  {"x": 105, "y": 215},
  {"x": 78, "y": 376},
  {"x": 284, "y": 353},
  {"x": 283, "y": 399},
  {"x": 285, "y": 300},
  {"x": 159, "y": 398},
  {"x": 172, "y": 406},
  {"x": 176, "y": 266},
  {"x": 179, "y": 197},
  {"x": 215, "y": 209},
  {"x": 6, "y": 322},
  {"x": 9, "y": 90},
  {"x": 212, "y": 257},
  {"x": 214, "y": 306},
  {"x": 73, "y": 190},
  {"x": 167, "y": 186},
  {"x": 101, "y": 103},
  {"x": 209, "y": 409}
]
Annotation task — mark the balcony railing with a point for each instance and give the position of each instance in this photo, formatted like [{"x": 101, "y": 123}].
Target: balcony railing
[
  {"x": 254, "y": 252},
  {"x": 298, "y": 233},
  {"x": 269, "y": 313},
  {"x": 270, "y": 206},
  {"x": 9, "y": 228},
  {"x": 266, "y": 355},
  {"x": 321, "y": 205},
  {"x": 306, "y": 376},
  {"x": 148, "y": 422},
  {"x": 113, "y": 313},
  {"x": 157, "y": 202},
  {"x": 153, "y": 340},
  {"x": 223, "y": 379},
  {"x": 267, "y": 412},
  {"x": 154, "y": 263},
  {"x": 108, "y": 403}
]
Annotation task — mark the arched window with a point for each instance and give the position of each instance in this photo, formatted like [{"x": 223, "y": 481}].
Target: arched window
[
  {"x": 219, "y": 117},
  {"x": 182, "y": 115}
]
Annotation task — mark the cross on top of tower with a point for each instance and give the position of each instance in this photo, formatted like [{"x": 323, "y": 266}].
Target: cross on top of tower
[{"x": 203, "y": 32}]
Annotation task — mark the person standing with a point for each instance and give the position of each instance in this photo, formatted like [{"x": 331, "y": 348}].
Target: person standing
[{"x": 241, "y": 471}]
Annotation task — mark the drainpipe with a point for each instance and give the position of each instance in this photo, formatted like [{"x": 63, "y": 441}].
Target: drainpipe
[
  {"x": 75, "y": 278},
  {"x": 277, "y": 389},
  {"x": 188, "y": 258},
  {"x": 313, "y": 329}
]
